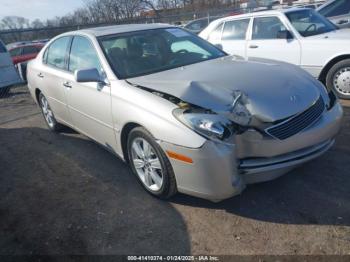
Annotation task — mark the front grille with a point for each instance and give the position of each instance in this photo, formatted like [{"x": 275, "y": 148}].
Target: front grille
[{"x": 297, "y": 123}]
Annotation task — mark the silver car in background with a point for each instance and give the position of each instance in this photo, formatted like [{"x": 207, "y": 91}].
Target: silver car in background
[{"x": 186, "y": 116}]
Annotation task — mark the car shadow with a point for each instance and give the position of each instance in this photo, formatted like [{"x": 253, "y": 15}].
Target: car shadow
[
  {"x": 12, "y": 92},
  {"x": 315, "y": 193},
  {"x": 63, "y": 194}
]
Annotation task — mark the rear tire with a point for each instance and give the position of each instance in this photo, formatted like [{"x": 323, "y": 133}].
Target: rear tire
[
  {"x": 150, "y": 164},
  {"x": 338, "y": 79},
  {"x": 48, "y": 114}
]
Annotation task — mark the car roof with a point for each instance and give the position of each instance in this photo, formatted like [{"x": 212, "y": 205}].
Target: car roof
[
  {"x": 262, "y": 13},
  {"x": 117, "y": 29},
  {"x": 20, "y": 45}
]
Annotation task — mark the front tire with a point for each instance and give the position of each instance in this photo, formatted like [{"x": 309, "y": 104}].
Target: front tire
[
  {"x": 338, "y": 79},
  {"x": 48, "y": 114},
  {"x": 150, "y": 164}
]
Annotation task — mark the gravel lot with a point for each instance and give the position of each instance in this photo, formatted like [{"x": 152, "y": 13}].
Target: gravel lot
[{"x": 64, "y": 194}]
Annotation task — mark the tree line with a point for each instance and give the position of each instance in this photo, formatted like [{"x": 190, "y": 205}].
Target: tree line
[{"x": 107, "y": 11}]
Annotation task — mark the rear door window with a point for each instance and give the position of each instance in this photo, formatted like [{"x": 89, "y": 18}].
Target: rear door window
[
  {"x": 29, "y": 50},
  {"x": 235, "y": 30},
  {"x": 57, "y": 51},
  {"x": 215, "y": 35},
  {"x": 16, "y": 51}
]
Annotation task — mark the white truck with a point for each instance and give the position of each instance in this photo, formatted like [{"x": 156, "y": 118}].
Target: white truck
[{"x": 299, "y": 36}]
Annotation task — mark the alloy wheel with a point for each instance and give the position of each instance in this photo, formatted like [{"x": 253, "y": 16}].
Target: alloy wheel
[
  {"x": 147, "y": 164},
  {"x": 45, "y": 107}
]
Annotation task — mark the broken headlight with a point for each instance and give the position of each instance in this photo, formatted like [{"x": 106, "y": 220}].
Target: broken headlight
[{"x": 211, "y": 126}]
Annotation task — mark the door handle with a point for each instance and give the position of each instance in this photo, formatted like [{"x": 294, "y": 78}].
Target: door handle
[
  {"x": 344, "y": 21},
  {"x": 253, "y": 46},
  {"x": 41, "y": 75},
  {"x": 67, "y": 84}
]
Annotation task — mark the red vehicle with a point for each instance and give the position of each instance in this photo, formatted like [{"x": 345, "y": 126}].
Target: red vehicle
[{"x": 24, "y": 53}]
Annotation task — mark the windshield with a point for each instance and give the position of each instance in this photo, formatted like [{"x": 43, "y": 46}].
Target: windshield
[
  {"x": 309, "y": 22},
  {"x": 146, "y": 52}
]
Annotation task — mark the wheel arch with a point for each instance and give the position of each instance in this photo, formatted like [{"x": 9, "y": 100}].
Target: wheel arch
[
  {"x": 329, "y": 65},
  {"x": 37, "y": 93},
  {"x": 124, "y": 138}
]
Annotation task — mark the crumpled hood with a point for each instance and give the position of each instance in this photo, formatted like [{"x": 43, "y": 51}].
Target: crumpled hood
[{"x": 275, "y": 90}]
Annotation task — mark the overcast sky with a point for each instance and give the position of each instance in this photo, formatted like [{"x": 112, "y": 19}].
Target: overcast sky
[{"x": 41, "y": 9}]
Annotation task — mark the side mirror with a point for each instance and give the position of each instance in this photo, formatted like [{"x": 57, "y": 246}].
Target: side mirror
[
  {"x": 88, "y": 75},
  {"x": 284, "y": 34},
  {"x": 219, "y": 46}
]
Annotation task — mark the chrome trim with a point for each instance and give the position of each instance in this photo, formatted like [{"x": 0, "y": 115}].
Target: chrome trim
[{"x": 267, "y": 130}]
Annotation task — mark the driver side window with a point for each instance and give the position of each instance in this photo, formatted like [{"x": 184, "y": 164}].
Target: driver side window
[{"x": 267, "y": 28}]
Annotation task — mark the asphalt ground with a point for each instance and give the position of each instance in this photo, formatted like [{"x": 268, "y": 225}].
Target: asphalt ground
[{"x": 64, "y": 194}]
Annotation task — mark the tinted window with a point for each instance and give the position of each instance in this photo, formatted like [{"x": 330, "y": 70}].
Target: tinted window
[
  {"x": 339, "y": 7},
  {"x": 57, "y": 52},
  {"x": 267, "y": 27},
  {"x": 197, "y": 25},
  {"x": 235, "y": 30},
  {"x": 16, "y": 51},
  {"x": 2, "y": 48},
  {"x": 83, "y": 55},
  {"x": 28, "y": 50},
  {"x": 216, "y": 34},
  {"x": 146, "y": 52},
  {"x": 309, "y": 22}
]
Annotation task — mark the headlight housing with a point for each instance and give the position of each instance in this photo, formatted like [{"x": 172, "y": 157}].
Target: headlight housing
[
  {"x": 218, "y": 126},
  {"x": 211, "y": 126}
]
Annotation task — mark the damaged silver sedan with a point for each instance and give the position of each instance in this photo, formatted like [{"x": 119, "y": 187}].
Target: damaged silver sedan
[{"x": 186, "y": 116}]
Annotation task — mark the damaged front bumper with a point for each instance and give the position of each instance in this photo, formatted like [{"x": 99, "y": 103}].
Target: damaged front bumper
[{"x": 220, "y": 171}]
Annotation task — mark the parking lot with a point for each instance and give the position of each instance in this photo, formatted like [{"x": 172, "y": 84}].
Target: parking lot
[{"x": 64, "y": 194}]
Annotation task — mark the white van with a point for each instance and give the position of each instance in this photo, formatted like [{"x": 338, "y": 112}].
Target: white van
[{"x": 8, "y": 73}]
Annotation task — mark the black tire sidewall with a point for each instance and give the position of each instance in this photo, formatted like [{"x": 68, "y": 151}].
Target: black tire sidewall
[
  {"x": 332, "y": 72},
  {"x": 143, "y": 133}
]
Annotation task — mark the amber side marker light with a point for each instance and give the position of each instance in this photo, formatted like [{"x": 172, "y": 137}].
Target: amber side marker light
[{"x": 177, "y": 156}]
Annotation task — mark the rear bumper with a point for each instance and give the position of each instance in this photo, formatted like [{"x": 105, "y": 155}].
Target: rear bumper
[{"x": 219, "y": 171}]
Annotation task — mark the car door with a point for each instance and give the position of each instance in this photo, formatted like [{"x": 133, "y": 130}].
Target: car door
[
  {"x": 338, "y": 12},
  {"x": 266, "y": 42},
  {"x": 49, "y": 77},
  {"x": 89, "y": 103},
  {"x": 233, "y": 39}
]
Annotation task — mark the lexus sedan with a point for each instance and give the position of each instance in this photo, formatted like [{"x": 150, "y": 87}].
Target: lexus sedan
[{"x": 183, "y": 114}]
